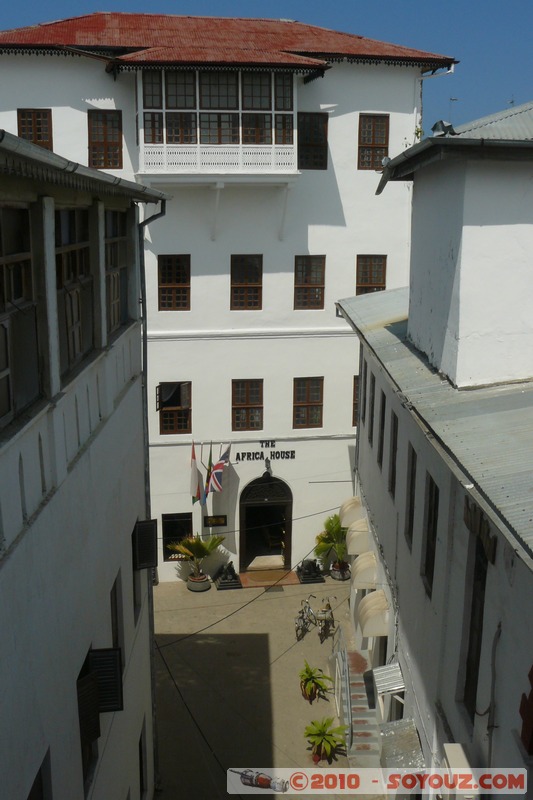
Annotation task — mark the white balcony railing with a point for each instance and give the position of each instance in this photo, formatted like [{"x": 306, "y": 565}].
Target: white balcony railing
[{"x": 201, "y": 158}]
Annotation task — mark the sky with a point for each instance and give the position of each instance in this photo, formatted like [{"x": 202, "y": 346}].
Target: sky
[{"x": 490, "y": 38}]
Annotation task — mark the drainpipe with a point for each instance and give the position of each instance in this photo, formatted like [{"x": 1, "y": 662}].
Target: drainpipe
[
  {"x": 141, "y": 227},
  {"x": 492, "y": 708}
]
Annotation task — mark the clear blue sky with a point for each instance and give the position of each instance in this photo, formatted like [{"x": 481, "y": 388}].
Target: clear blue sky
[{"x": 491, "y": 38}]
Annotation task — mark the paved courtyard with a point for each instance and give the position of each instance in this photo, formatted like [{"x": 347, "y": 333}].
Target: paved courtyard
[{"x": 228, "y": 693}]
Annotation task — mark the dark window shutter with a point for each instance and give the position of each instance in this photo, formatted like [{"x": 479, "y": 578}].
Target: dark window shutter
[
  {"x": 88, "y": 707},
  {"x": 144, "y": 542},
  {"x": 106, "y": 664}
]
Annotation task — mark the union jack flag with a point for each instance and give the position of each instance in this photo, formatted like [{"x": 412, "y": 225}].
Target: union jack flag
[{"x": 215, "y": 481}]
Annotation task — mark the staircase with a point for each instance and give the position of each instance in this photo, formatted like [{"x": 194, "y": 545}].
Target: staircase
[{"x": 365, "y": 749}]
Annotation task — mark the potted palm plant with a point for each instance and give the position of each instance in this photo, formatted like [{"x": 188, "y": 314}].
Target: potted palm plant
[
  {"x": 195, "y": 549},
  {"x": 313, "y": 682},
  {"x": 332, "y": 542},
  {"x": 325, "y": 740}
]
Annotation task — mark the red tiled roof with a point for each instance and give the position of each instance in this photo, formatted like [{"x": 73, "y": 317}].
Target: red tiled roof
[
  {"x": 189, "y": 54},
  {"x": 210, "y": 39}
]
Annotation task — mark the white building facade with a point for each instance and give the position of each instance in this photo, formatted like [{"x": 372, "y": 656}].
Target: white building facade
[
  {"x": 75, "y": 672},
  {"x": 268, "y": 140},
  {"x": 444, "y": 453}
]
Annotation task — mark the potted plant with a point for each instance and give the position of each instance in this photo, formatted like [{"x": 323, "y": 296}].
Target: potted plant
[
  {"x": 325, "y": 740},
  {"x": 332, "y": 541},
  {"x": 313, "y": 682},
  {"x": 194, "y": 549}
]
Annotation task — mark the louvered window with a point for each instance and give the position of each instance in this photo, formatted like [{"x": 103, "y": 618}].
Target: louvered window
[{"x": 144, "y": 543}]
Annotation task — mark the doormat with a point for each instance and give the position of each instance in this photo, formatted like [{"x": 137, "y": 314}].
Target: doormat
[{"x": 268, "y": 577}]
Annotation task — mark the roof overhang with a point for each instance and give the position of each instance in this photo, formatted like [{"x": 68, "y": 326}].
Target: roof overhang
[
  {"x": 446, "y": 148},
  {"x": 26, "y": 160},
  {"x": 374, "y": 614},
  {"x": 364, "y": 571}
]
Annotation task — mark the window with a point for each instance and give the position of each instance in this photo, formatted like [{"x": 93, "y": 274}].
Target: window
[
  {"x": 371, "y": 398},
  {"x": 312, "y": 141},
  {"x": 373, "y": 140},
  {"x": 411, "y": 494},
  {"x": 35, "y": 125},
  {"x": 371, "y": 272},
  {"x": 308, "y": 402},
  {"x": 393, "y": 452},
  {"x": 152, "y": 89},
  {"x": 431, "y": 516},
  {"x": 247, "y": 405},
  {"x": 180, "y": 89},
  {"x": 381, "y": 433},
  {"x": 117, "y": 619},
  {"x": 173, "y": 401},
  {"x": 256, "y": 90},
  {"x": 218, "y": 90},
  {"x": 105, "y": 139},
  {"x": 174, "y": 282},
  {"x": 309, "y": 281},
  {"x": 219, "y": 129},
  {"x": 143, "y": 770},
  {"x": 175, "y": 528},
  {"x": 478, "y": 580},
  {"x": 284, "y": 129},
  {"x": 153, "y": 127},
  {"x": 74, "y": 286},
  {"x": 256, "y": 129},
  {"x": 283, "y": 91},
  {"x": 246, "y": 282},
  {"x": 355, "y": 401},
  {"x": 181, "y": 128},
  {"x": 363, "y": 387},
  {"x": 116, "y": 265},
  {"x": 19, "y": 352}
]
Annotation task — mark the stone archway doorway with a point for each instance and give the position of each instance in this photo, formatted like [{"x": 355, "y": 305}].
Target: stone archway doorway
[{"x": 265, "y": 540}]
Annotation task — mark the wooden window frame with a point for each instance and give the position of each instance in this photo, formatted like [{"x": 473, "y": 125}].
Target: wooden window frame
[
  {"x": 283, "y": 91},
  {"x": 284, "y": 129},
  {"x": 477, "y": 582},
  {"x": 312, "y": 140},
  {"x": 186, "y": 129},
  {"x": 105, "y": 150},
  {"x": 355, "y": 401},
  {"x": 381, "y": 431},
  {"x": 373, "y": 142},
  {"x": 178, "y": 289},
  {"x": 393, "y": 454},
  {"x": 152, "y": 78},
  {"x": 410, "y": 500},
  {"x": 174, "y": 418},
  {"x": 371, "y": 274},
  {"x": 246, "y": 282},
  {"x": 116, "y": 265},
  {"x": 256, "y": 91},
  {"x": 219, "y": 128},
  {"x": 429, "y": 544},
  {"x": 246, "y": 407},
  {"x": 188, "y": 89},
  {"x": 309, "y": 404},
  {"x": 309, "y": 282},
  {"x": 153, "y": 127},
  {"x": 257, "y": 128},
  {"x": 35, "y": 125},
  {"x": 371, "y": 403},
  {"x": 217, "y": 90}
]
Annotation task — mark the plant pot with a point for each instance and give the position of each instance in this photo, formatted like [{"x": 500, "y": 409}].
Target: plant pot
[
  {"x": 199, "y": 583},
  {"x": 340, "y": 572},
  {"x": 308, "y": 694}
]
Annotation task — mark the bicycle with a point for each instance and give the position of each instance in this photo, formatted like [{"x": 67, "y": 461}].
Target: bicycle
[
  {"x": 306, "y": 617},
  {"x": 325, "y": 620}
]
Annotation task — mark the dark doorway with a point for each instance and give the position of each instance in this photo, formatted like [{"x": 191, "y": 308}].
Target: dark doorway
[{"x": 265, "y": 522}]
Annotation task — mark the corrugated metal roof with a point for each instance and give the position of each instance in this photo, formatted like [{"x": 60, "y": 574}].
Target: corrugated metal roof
[
  {"x": 515, "y": 123},
  {"x": 388, "y": 679},
  {"x": 487, "y": 431},
  {"x": 210, "y": 36}
]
